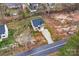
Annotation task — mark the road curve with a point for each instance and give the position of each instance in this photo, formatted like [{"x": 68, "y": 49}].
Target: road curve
[{"x": 44, "y": 50}]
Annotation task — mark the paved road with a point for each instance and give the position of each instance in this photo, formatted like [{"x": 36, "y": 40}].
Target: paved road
[{"x": 44, "y": 50}]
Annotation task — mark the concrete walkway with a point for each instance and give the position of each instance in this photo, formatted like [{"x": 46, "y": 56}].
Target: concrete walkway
[{"x": 47, "y": 35}]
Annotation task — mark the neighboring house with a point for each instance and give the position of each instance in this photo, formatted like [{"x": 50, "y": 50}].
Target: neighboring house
[
  {"x": 13, "y": 5},
  {"x": 51, "y": 5},
  {"x": 3, "y": 31},
  {"x": 37, "y": 24},
  {"x": 23, "y": 6},
  {"x": 16, "y": 5},
  {"x": 32, "y": 7},
  {"x": 13, "y": 8}
]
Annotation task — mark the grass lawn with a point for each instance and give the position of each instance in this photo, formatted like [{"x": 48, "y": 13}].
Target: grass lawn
[
  {"x": 72, "y": 46},
  {"x": 9, "y": 40}
]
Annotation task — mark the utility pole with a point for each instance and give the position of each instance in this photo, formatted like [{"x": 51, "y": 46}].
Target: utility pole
[{"x": 48, "y": 9}]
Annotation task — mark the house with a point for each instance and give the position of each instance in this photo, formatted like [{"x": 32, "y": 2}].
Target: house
[
  {"x": 51, "y": 5},
  {"x": 32, "y": 7},
  {"x": 13, "y": 5},
  {"x": 3, "y": 31},
  {"x": 13, "y": 9},
  {"x": 37, "y": 24},
  {"x": 23, "y": 6}
]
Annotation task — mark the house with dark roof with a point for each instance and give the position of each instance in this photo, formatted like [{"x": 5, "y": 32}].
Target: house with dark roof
[
  {"x": 51, "y": 5},
  {"x": 37, "y": 24},
  {"x": 3, "y": 31},
  {"x": 32, "y": 7}
]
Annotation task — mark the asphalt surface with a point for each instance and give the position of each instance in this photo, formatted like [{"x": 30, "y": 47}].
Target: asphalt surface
[{"x": 44, "y": 50}]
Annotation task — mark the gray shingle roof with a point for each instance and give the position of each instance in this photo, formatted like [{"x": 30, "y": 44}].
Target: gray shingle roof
[{"x": 37, "y": 22}]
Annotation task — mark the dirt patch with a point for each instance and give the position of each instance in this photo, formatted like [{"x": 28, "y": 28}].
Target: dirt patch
[
  {"x": 39, "y": 38},
  {"x": 60, "y": 27},
  {"x": 24, "y": 37},
  {"x": 50, "y": 25}
]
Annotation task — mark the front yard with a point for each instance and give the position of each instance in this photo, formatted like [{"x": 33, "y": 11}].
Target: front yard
[
  {"x": 9, "y": 40},
  {"x": 19, "y": 29}
]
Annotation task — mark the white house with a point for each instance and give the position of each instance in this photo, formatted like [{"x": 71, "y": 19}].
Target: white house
[{"x": 3, "y": 31}]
